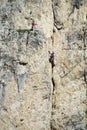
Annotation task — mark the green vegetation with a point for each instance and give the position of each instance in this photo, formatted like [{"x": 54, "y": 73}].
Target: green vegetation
[
  {"x": 23, "y": 30},
  {"x": 35, "y": 33},
  {"x": 11, "y": 0}
]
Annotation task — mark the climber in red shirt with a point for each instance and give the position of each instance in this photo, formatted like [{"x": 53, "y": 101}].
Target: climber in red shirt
[{"x": 34, "y": 25}]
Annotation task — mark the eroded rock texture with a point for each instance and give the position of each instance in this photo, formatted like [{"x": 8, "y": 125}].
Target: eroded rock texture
[{"x": 33, "y": 95}]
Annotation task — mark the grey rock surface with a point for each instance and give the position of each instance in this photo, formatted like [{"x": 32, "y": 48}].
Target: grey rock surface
[{"x": 33, "y": 95}]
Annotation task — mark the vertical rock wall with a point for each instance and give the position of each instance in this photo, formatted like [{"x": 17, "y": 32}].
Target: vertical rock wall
[
  {"x": 70, "y": 73},
  {"x": 33, "y": 95}
]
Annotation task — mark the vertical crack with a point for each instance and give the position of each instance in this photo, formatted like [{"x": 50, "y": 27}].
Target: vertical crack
[
  {"x": 55, "y": 21},
  {"x": 3, "y": 89},
  {"x": 52, "y": 79},
  {"x": 85, "y": 78},
  {"x": 27, "y": 38},
  {"x": 53, "y": 83},
  {"x": 84, "y": 40},
  {"x": 53, "y": 105}
]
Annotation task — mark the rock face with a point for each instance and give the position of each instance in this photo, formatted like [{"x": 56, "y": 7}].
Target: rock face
[{"x": 33, "y": 95}]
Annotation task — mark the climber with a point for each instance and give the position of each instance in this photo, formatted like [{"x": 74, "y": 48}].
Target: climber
[
  {"x": 34, "y": 25},
  {"x": 51, "y": 59}
]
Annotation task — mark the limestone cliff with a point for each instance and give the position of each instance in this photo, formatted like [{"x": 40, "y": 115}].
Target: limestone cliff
[{"x": 33, "y": 95}]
